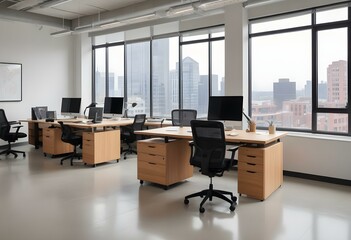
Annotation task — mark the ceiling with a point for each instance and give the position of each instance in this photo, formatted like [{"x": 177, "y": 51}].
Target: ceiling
[{"x": 73, "y": 15}]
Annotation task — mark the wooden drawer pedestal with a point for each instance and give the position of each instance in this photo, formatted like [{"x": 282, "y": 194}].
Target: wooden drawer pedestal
[
  {"x": 101, "y": 146},
  {"x": 163, "y": 163},
  {"x": 260, "y": 170},
  {"x": 52, "y": 143}
]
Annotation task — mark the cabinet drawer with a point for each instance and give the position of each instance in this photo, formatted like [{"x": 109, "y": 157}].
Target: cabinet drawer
[
  {"x": 89, "y": 136},
  {"x": 88, "y": 147},
  {"x": 251, "y": 184},
  {"x": 151, "y": 147},
  {"x": 251, "y": 155},
  {"x": 151, "y": 158},
  {"x": 151, "y": 171},
  {"x": 250, "y": 167}
]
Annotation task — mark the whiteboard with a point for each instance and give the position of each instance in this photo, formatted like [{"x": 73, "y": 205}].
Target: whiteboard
[{"x": 10, "y": 82}]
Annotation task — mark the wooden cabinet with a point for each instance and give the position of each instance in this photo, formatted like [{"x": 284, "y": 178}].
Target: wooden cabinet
[
  {"x": 163, "y": 163},
  {"x": 101, "y": 146},
  {"x": 52, "y": 143},
  {"x": 260, "y": 170}
]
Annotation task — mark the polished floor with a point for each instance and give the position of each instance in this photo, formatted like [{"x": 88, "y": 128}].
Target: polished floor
[{"x": 41, "y": 200}]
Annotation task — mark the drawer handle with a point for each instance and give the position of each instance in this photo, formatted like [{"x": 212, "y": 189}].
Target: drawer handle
[
  {"x": 251, "y": 164},
  {"x": 151, "y": 163},
  {"x": 151, "y": 146},
  {"x": 152, "y": 154},
  {"x": 251, "y": 156},
  {"x": 250, "y": 171}
]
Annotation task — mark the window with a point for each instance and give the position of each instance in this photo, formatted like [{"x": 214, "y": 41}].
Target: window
[
  {"x": 100, "y": 75},
  {"x": 116, "y": 71},
  {"x": 195, "y": 77},
  {"x": 138, "y": 77},
  {"x": 299, "y": 70},
  {"x": 164, "y": 73},
  {"x": 165, "y": 79},
  {"x": 278, "y": 90}
]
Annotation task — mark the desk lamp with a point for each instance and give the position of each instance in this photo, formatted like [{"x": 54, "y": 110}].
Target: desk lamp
[
  {"x": 126, "y": 109},
  {"x": 93, "y": 104}
]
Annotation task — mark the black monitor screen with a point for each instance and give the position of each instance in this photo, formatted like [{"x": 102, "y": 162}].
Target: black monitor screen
[
  {"x": 225, "y": 108},
  {"x": 70, "y": 106},
  {"x": 113, "y": 105}
]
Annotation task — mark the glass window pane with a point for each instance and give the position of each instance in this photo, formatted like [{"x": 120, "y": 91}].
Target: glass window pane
[
  {"x": 281, "y": 23},
  {"x": 332, "y": 68},
  {"x": 138, "y": 77},
  {"x": 331, "y": 15},
  {"x": 165, "y": 80},
  {"x": 187, "y": 38},
  {"x": 281, "y": 79},
  {"x": 116, "y": 71},
  {"x": 195, "y": 77},
  {"x": 332, "y": 122},
  {"x": 100, "y": 75},
  {"x": 218, "y": 68}
]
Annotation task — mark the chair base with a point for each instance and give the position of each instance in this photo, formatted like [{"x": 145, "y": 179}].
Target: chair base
[
  {"x": 71, "y": 157},
  {"x": 209, "y": 194},
  {"x": 127, "y": 151},
  {"x": 11, "y": 151}
]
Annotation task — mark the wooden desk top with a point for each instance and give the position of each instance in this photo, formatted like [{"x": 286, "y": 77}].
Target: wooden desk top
[
  {"x": 242, "y": 136},
  {"x": 81, "y": 123}
]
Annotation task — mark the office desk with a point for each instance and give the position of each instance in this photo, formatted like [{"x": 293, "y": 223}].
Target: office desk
[
  {"x": 260, "y": 160},
  {"x": 101, "y": 141}
]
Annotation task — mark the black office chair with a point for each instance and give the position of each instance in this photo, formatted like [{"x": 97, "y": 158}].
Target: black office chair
[
  {"x": 208, "y": 151},
  {"x": 70, "y": 137},
  {"x": 7, "y": 135},
  {"x": 182, "y": 117},
  {"x": 129, "y": 137}
]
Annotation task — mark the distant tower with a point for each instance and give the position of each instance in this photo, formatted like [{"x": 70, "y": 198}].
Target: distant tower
[
  {"x": 282, "y": 91},
  {"x": 337, "y": 82}
]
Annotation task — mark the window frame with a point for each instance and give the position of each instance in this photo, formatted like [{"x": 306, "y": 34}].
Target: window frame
[
  {"x": 209, "y": 39},
  {"x": 315, "y": 28}
]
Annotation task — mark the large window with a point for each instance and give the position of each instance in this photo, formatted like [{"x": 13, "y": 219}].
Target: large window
[
  {"x": 162, "y": 74},
  {"x": 299, "y": 70},
  {"x": 165, "y": 79},
  {"x": 138, "y": 77}
]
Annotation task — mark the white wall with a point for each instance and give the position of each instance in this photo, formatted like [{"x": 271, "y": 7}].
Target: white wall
[{"x": 47, "y": 67}]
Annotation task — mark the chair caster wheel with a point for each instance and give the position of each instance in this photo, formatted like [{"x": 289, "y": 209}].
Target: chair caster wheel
[
  {"x": 202, "y": 210},
  {"x": 186, "y": 201},
  {"x": 232, "y": 208},
  {"x": 234, "y": 199}
]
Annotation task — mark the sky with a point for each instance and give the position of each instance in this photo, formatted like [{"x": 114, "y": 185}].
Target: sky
[{"x": 288, "y": 55}]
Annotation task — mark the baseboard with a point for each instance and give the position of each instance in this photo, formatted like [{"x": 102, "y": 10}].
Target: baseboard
[{"x": 318, "y": 178}]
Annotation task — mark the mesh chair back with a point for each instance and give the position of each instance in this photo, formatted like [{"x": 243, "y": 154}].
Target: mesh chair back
[
  {"x": 66, "y": 132},
  {"x": 4, "y": 125},
  {"x": 139, "y": 120},
  {"x": 210, "y": 146},
  {"x": 183, "y": 117}
]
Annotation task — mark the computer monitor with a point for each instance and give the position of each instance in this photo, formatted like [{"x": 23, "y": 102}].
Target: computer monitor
[
  {"x": 113, "y": 106},
  {"x": 95, "y": 114},
  {"x": 70, "y": 106},
  {"x": 225, "y": 108},
  {"x": 39, "y": 112}
]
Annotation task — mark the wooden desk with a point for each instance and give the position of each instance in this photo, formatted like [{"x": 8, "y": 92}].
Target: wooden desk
[
  {"x": 101, "y": 141},
  {"x": 260, "y": 161}
]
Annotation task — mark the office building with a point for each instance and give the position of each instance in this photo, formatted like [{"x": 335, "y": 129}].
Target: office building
[
  {"x": 42, "y": 200},
  {"x": 283, "y": 90}
]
